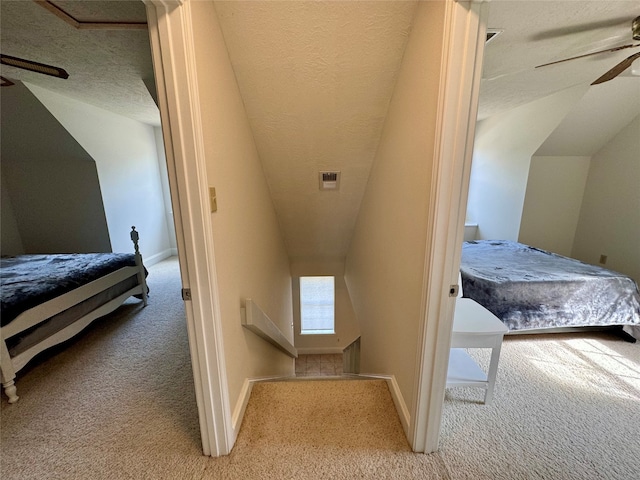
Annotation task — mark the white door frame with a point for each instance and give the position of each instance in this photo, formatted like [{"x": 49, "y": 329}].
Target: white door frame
[
  {"x": 173, "y": 56},
  {"x": 463, "y": 47},
  {"x": 174, "y": 66}
]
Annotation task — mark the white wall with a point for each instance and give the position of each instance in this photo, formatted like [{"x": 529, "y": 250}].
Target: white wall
[
  {"x": 609, "y": 221},
  {"x": 250, "y": 255},
  {"x": 346, "y": 325},
  {"x": 51, "y": 181},
  {"x": 127, "y": 161},
  {"x": 385, "y": 265},
  {"x": 502, "y": 153},
  {"x": 552, "y": 202}
]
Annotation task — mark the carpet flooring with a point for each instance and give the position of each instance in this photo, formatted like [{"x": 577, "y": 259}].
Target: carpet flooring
[
  {"x": 566, "y": 406},
  {"x": 340, "y": 429},
  {"x": 118, "y": 403}
]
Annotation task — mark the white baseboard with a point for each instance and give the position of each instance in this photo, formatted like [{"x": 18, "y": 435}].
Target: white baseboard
[
  {"x": 158, "y": 257},
  {"x": 241, "y": 404},
  {"x": 243, "y": 401},
  {"x": 319, "y": 350},
  {"x": 398, "y": 399}
]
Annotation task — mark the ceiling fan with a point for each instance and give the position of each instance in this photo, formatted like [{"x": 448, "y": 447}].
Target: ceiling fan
[{"x": 620, "y": 67}]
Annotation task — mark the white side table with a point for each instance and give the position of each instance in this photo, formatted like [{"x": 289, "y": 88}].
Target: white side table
[{"x": 474, "y": 327}]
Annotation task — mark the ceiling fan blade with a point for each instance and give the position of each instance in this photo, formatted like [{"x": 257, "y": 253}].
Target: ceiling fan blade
[
  {"x": 33, "y": 66},
  {"x": 618, "y": 69},
  {"x": 615, "y": 49}
]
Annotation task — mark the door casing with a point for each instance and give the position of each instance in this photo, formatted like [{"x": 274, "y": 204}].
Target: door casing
[{"x": 173, "y": 56}]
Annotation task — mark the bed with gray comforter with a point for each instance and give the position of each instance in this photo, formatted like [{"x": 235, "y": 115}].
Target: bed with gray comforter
[
  {"x": 529, "y": 288},
  {"x": 47, "y": 299}
]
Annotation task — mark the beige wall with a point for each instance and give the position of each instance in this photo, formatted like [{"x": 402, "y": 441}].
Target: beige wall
[
  {"x": 609, "y": 221},
  {"x": 552, "y": 202},
  {"x": 503, "y": 148},
  {"x": 346, "y": 325},
  {"x": 251, "y": 260},
  {"x": 385, "y": 264}
]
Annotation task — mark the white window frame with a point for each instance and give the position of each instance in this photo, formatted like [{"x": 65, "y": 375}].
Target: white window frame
[{"x": 312, "y": 331}]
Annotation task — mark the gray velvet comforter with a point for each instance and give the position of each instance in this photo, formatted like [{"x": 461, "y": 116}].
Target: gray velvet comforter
[{"x": 529, "y": 288}]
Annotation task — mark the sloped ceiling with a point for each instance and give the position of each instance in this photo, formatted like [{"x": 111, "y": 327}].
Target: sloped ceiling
[
  {"x": 603, "y": 111},
  {"x": 539, "y": 32},
  {"x": 107, "y": 68},
  {"x": 316, "y": 79}
]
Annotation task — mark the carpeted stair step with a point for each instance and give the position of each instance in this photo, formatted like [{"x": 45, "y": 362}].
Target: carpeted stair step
[{"x": 324, "y": 429}]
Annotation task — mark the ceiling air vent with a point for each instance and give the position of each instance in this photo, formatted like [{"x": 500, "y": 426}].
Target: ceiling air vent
[
  {"x": 492, "y": 33},
  {"x": 329, "y": 180}
]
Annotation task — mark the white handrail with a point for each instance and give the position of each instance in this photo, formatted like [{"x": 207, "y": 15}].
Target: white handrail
[{"x": 254, "y": 319}]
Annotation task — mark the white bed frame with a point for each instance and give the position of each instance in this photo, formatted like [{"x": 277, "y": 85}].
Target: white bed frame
[{"x": 29, "y": 318}]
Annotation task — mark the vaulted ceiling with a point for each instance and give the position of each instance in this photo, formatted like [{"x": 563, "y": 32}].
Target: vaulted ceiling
[
  {"x": 539, "y": 32},
  {"x": 316, "y": 79},
  {"x": 107, "y": 68}
]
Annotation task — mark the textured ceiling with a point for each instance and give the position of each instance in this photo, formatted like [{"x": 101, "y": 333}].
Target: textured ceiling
[
  {"x": 107, "y": 68},
  {"x": 316, "y": 79},
  {"x": 538, "y": 32}
]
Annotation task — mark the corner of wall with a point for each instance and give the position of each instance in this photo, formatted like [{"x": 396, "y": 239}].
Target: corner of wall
[{"x": 504, "y": 145}]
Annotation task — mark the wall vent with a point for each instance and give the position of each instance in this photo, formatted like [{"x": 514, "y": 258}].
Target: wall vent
[{"x": 329, "y": 180}]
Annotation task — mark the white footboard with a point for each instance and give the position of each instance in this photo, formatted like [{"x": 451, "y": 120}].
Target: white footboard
[{"x": 9, "y": 365}]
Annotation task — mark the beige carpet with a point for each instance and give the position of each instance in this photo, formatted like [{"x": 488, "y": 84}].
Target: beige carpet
[
  {"x": 118, "y": 403},
  {"x": 566, "y": 406},
  {"x": 324, "y": 429}
]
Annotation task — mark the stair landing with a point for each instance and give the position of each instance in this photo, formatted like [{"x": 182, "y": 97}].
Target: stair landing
[{"x": 318, "y": 365}]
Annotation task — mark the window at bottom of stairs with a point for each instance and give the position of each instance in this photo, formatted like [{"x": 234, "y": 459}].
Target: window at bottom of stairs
[{"x": 317, "y": 305}]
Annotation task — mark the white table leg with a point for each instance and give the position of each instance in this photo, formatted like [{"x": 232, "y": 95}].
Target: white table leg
[{"x": 493, "y": 372}]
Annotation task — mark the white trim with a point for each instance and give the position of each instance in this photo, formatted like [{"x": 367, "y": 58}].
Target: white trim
[
  {"x": 255, "y": 320},
  {"x": 71, "y": 330},
  {"x": 320, "y": 350},
  {"x": 241, "y": 404},
  {"x": 457, "y": 109},
  {"x": 158, "y": 257},
  {"x": 243, "y": 400},
  {"x": 174, "y": 65},
  {"x": 40, "y": 313},
  {"x": 398, "y": 399}
]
